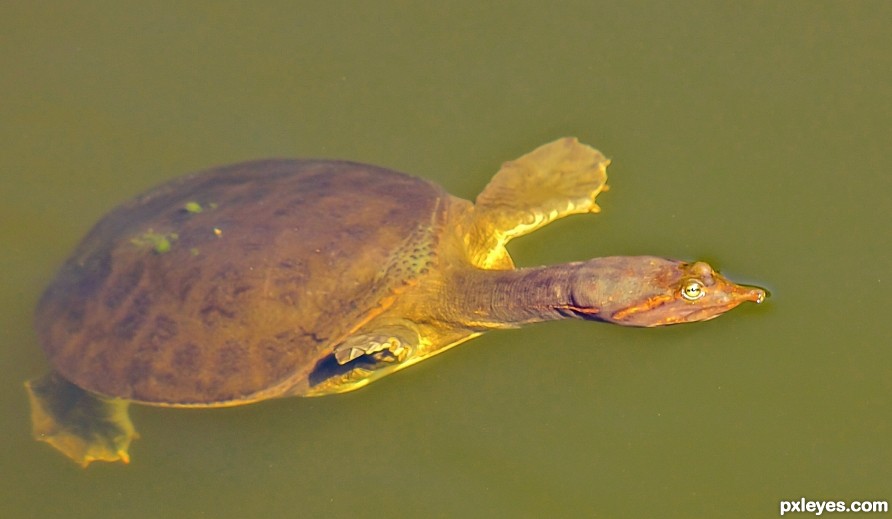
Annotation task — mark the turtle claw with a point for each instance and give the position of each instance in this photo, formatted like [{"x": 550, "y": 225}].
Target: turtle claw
[
  {"x": 389, "y": 343},
  {"x": 382, "y": 348},
  {"x": 345, "y": 355}
]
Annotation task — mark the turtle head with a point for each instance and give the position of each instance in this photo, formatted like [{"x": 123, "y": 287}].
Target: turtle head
[{"x": 653, "y": 291}]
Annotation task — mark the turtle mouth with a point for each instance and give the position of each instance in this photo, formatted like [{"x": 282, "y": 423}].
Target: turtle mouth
[
  {"x": 754, "y": 294},
  {"x": 705, "y": 314},
  {"x": 740, "y": 295},
  {"x": 666, "y": 310}
]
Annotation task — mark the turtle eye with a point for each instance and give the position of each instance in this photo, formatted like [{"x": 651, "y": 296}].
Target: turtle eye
[{"x": 692, "y": 290}]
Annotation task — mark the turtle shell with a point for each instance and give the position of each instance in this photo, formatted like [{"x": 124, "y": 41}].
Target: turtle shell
[{"x": 230, "y": 285}]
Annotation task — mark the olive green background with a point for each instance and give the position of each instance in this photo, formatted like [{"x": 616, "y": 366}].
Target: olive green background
[{"x": 752, "y": 134}]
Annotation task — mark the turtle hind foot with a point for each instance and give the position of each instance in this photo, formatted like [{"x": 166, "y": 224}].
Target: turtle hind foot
[{"x": 82, "y": 426}]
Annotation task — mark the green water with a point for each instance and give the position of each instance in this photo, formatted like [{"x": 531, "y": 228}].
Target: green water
[{"x": 755, "y": 135}]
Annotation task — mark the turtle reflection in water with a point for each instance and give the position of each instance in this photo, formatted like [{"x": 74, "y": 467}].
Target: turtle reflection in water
[{"x": 310, "y": 277}]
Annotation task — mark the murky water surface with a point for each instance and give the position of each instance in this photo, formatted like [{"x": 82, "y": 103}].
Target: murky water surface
[{"x": 755, "y": 136}]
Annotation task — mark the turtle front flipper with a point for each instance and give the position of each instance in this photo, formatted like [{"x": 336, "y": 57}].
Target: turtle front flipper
[
  {"x": 386, "y": 344},
  {"x": 82, "y": 426},
  {"x": 553, "y": 181},
  {"x": 366, "y": 356}
]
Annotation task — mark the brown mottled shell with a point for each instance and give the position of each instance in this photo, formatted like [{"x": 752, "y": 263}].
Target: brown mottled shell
[{"x": 219, "y": 287}]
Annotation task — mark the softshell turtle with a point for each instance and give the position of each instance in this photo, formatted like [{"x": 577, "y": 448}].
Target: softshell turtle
[{"x": 310, "y": 277}]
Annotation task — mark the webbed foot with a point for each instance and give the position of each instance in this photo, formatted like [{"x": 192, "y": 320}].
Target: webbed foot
[
  {"x": 555, "y": 180},
  {"x": 366, "y": 356},
  {"x": 82, "y": 426}
]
